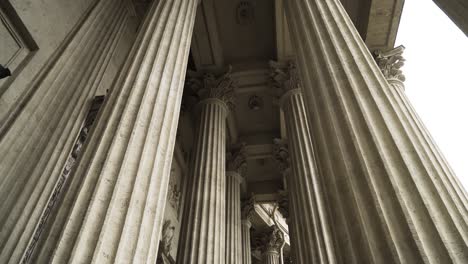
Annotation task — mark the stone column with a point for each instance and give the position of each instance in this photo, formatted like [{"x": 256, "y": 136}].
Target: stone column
[
  {"x": 457, "y": 10},
  {"x": 390, "y": 201},
  {"x": 35, "y": 143},
  {"x": 390, "y": 63},
  {"x": 247, "y": 210},
  {"x": 113, "y": 207},
  {"x": 203, "y": 235},
  {"x": 308, "y": 220},
  {"x": 273, "y": 241},
  {"x": 236, "y": 168}
]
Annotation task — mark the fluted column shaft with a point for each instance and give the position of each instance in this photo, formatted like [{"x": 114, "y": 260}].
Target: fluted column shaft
[
  {"x": 422, "y": 132},
  {"x": 246, "y": 247},
  {"x": 273, "y": 242},
  {"x": 203, "y": 234},
  {"x": 271, "y": 256},
  {"x": 233, "y": 218},
  {"x": 389, "y": 200},
  {"x": 113, "y": 208},
  {"x": 311, "y": 234},
  {"x": 457, "y": 10},
  {"x": 36, "y": 144},
  {"x": 272, "y": 246}
]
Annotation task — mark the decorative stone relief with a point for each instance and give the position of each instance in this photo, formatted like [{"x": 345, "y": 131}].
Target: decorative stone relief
[
  {"x": 284, "y": 76},
  {"x": 236, "y": 160},
  {"x": 283, "y": 203},
  {"x": 174, "y": 194},
  {"x": 390, "y": 63},
  {"x": 248, "y": 207},
  {"x": 205, "y": 86},
  {"x": 273, "y": 239},
  {"x": 73, "y": 157},
  {"x": 245, "y": 13},
  {"x": 281, "y": 154},
  {"x": 167, "y": 237}
]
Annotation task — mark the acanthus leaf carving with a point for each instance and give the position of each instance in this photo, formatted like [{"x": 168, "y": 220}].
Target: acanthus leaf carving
[
  {"x": 248, "y": 207},
  {"x": 236, "y": 160},
  {"x": 390, "y": 63},
  {"x": 283, "y": 203},
  {"x": 273, "y": 239},
  {"x": 281, "y": 154},
  {"x": 284, "y": 76},
  {"x": 208, "y": 85}
]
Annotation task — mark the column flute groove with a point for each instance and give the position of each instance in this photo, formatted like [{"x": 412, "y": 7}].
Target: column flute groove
[
  {"x": 236, "y": 165},
  {"x": 390, "y": 63},
  {"x": 312, "y": 239},
  {"x": 203, "y": 233},
  {"x": 113, "y": 208},
  {"x": 273, "y": 240},
  {"x": 382, "y": 188},
  {"x": 247, "y": 208},
  {"x": 45, "y": 130}
]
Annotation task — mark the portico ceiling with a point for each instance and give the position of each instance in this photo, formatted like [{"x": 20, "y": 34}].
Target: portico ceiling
[{"x": 247, "y": 34}]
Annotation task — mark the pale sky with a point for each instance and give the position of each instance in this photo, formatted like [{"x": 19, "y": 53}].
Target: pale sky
[{"x": 436, "y": 71}]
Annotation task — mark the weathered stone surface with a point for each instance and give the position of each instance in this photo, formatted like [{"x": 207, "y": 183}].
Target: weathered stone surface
[
  {"x": 236, "y": 166},
  {"x": 51, "y": 25},
  {"x": 308, "y": 219},
  {"x": 203, "y": 235},
  {"x": 113, "y": 209},
  {"x": 390, "y": 201},
  {"x": 247, "y": 210},
  {"x": 37, "y": 144},
  {"x": 273, "y": 242}
]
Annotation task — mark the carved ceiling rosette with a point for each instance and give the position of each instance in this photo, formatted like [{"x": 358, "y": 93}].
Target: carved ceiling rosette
[
  {"x": 201, "y": 86},
  {"x": 390, "y": 63}
]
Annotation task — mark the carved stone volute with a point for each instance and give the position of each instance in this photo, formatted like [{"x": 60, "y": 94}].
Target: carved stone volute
[
  {"x": 248, "y": 206},
  {"x": 273, "y": 240},
  {"x": 390, "y": 63},
  {"x": 283, "y": 203},
  {"x": 281, "y": 154},
  {"x": 208, "y": 86},
  {"x": 236, "y": 160},
  {"x": 284, "y": 76}
]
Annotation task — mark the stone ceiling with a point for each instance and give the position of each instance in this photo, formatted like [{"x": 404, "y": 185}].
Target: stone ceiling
[{"x": 247, "y": 34}]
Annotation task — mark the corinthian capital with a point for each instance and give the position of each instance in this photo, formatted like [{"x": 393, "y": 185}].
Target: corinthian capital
[
  {"x": 248, "y": 207},
  {"x": 283, "y": 203},
  {"x": 390, "y": 63},
  {"x": 281, "y": 153},
  {"x": 273, "y": 239},
  {"x": 236, "y": 160},
  {"x": 208, "y": 85},
  {"x": 284, "y": 75}
]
